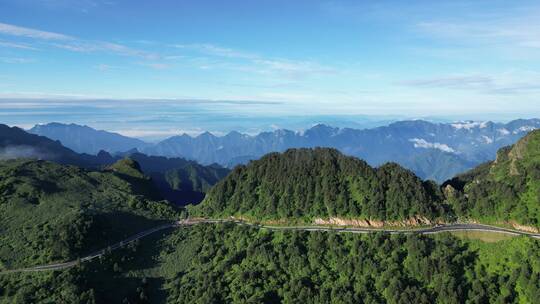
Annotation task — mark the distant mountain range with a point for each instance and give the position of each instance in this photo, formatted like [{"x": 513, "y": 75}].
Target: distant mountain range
[
  {"x": 435, "y": 151},
  {"x": 84, "y": 139},
  {"x": 178, "y": 180}
]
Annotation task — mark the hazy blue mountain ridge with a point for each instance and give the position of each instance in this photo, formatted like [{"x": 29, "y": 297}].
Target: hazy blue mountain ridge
[
  {"x": 432, "y": 150},
  {"x": 84, "y": 139}
]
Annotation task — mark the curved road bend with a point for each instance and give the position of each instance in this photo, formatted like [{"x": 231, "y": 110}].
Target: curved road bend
[{"x": 428, "y": 230}]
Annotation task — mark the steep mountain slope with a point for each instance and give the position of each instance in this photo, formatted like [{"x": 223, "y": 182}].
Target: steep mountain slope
[
  {"x": 50, "y": 212},
  {"x": 84, "y": 139},
  {"x": 468, "y": 143},
  {"x": 321, "y": 183},
  {"x": 505, "y": 190}
]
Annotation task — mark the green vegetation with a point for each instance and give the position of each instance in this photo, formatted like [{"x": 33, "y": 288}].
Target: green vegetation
[
  {"x": 310, "y": 183},
  {"x": 235, "y": 264},
  {"x": 506, "y": 190},
  {"x": 45, "y": 287},
  {"x": 194, "y": 177},
  {"x": 50, "y": 212},
  {"x": 484, "y": 236}
]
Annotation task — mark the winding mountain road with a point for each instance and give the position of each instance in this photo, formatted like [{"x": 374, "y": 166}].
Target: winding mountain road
[{"x": 427, "y": 230}]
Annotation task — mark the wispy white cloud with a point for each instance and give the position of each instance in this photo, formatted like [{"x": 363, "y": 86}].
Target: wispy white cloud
[
  {"x": 460, "y": 82},
  {"x": 509, "y": 30},
  {"x": 229, "y": 58},
  {"x": 214, "y": 50},
  {"x": 13, "y": 30},
  {"x": 255, "y": 63},
  {"x": 101, "y": 46},
  {"x": 17, "y": 45},
  {"x": 516, "y": 82},
  {"x": 15, "y": 60},
  {"x": 106, "y": 67},
  {"x": 422, "y": 143},
  {"x": 70, "y": 43}
]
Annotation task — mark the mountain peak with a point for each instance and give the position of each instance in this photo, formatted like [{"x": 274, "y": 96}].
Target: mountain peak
[
  {"x": 206, "y": 134},
  {"x": 127, "y": 166},
  {"x": 321, "y": 130},
  {"x": 234, "y": 134}
]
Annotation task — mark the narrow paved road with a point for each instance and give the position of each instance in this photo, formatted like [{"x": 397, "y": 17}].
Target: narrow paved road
[
  {"x": 93, "y": 255},
  {"x": 428, "y": 230}
]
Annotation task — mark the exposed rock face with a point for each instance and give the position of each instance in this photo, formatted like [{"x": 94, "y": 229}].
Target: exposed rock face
[
  {"x": 524, "y": 228},
  {"x": 415, "y": 221},
  {"x": 449, "y": 191}
]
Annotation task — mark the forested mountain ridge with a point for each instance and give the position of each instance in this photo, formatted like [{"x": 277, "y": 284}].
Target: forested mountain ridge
[
  {"x": 321, "y": 183},
  {"x": 178, "y": 180},
  {"x": 505, "y": 190}
]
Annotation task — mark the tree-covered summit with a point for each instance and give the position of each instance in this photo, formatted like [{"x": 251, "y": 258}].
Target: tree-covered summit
[{"x": 321, "y": 183}]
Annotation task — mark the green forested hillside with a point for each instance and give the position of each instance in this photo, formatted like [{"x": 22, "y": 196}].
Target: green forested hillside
[
  {"x": 250, "y": 266},
  {"x": 507, "y": 189},
  {"x": 179, "y": 180},
  {"x": 50, "y": 212},
  {"x": 308, "y": 183},
  {"x": 235, "y": 264}
]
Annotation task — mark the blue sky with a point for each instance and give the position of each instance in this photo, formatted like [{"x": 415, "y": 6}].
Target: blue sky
[{"x": 86, "y": 61}]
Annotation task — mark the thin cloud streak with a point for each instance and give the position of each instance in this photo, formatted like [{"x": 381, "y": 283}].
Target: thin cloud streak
[
  {"x": 45, "y": 101},
  {"x": 17, "y": 46},
  {"x": 16, "y": 60},
  {"x": 504, "y": 84},
  {"x": 251, "y": 62},
  {"x": 506, "y": 31},
  {"x": 13, "y": 30},
  {"x": 246, "y": 61},
  {"x": 70, "y": 43}
]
